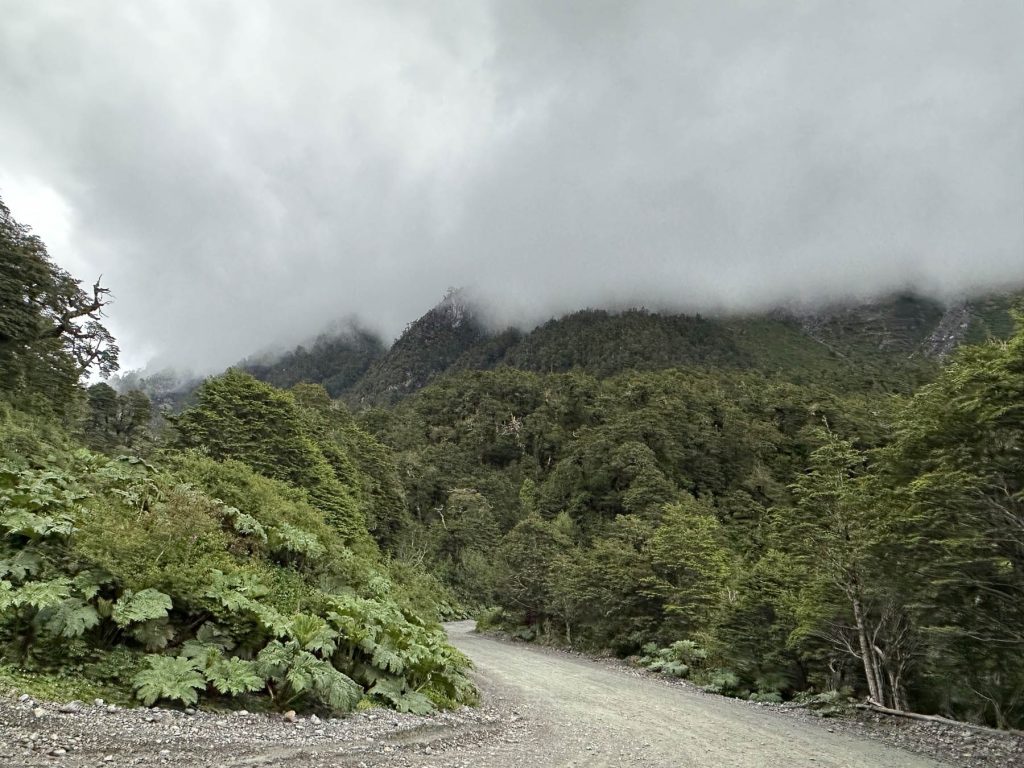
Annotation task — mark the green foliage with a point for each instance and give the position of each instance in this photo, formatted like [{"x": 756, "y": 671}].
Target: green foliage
[
  {"x": 724, "y": 681},
  {"x": 71, "y": 618},
  {"x": 710, "y": 505},
  {"x": 166, "y": 677},
  {"x": 622, "y": 481},
  {"x": 243, "y": 564},
  {"x": 116, "y": 420},
  {"x": 337, "y": 362},
  {"x": 400, "y": 697},
  {"x": 238, "y": 417},
  {"x": 312, "y": 633},
  {"x": 102, "y": 557},
  {"x": 51, "y": 332},
  {"x": 234, "y": 676},
  {"x": 679, "y": 659},
  {"x": 300, "y": 673},
  {"x": 692, "y": 564},
  {"x": 834, "y": 703},
  {"x": 139, "y": 607},
  {"x": 489, "y": 618}
]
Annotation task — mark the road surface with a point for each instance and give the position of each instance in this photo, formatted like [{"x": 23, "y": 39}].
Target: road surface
[{"x": 578, "y": 712}]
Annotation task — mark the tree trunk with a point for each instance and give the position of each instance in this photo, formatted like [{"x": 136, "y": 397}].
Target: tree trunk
[{"x": 867, "y": 652}]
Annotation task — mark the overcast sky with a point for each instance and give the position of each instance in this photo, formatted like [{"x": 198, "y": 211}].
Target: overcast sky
[{"x": 244, "y": 173}]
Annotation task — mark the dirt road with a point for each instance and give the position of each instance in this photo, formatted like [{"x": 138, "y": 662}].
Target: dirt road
[{"x": 584, "y": 713}]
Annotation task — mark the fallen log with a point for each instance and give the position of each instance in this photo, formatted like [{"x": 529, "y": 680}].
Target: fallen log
[{"x": 874, "y": 707}]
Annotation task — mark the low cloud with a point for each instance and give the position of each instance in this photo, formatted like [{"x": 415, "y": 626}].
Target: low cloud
[{"x": 245, "y": 173}]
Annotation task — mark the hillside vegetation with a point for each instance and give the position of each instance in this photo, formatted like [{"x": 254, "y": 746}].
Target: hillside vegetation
[
  {"x": 234, "y": 556},
  {"x": 766, "y": 537}
]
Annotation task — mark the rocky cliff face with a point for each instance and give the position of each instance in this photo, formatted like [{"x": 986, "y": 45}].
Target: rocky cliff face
[
  {"x": 426, "y": 348},
  {"x": 899, "y": 325},
  {"x": 950, "y": 332}
]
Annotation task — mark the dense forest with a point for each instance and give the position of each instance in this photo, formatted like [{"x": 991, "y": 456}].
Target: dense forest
[{"x": 782, "y": 506}]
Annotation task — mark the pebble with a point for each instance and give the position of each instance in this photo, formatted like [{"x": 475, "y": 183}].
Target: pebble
[{"x": 289, "y": 716}]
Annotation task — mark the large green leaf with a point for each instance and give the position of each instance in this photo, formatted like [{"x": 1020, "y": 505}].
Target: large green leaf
[
  {"x": 167, "y": 677},
  {"x": 234, "y": 676},
  {"x": 72, "y": 618},
  {"x": 141, "y": 606}
]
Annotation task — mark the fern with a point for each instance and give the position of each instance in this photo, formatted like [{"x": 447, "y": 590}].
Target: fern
[
  {"x": 235, "y": 591},
  {"x": 8, "y": 597},
  {"x": 302, "y": 673},
  {"x": 273, "y": 661},
  {"x": 33, "y": 525},
  {"x": 174, "y": 678},
  {"x": 723, "y": 681},
  {"x": 234, "y": 676},
  {"x": 141, "y": 606},
  {"x": 387, "y": 659},
  {"x": 211, "y": 634},
  {"x": 37, "y": 503},
  {"x": 88, "y": 583},
  {"x": 335, "y": 689},
  {"x": 271, "y": 619},
  {"x": 299, "y": 675},
  {"x": 203, "y": 654}
]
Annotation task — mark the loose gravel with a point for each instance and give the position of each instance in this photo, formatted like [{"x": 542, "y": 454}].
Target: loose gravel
[{"x": 540, "y": 707}]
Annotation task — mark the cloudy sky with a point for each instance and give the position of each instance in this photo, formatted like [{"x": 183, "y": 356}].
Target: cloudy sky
[{"x": 244, "y": 172}]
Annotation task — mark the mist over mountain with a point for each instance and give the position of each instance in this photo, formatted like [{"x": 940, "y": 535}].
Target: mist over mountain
[{"x": 243, "y": 174}]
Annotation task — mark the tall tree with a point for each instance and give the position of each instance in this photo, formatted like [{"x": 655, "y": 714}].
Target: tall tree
[
  {"x": 848, "y": 600},
  {"x": 51, "y": 329},
  {"x": 957, "y": 476}
]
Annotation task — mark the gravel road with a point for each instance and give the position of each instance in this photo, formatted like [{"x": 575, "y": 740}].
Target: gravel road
[
  {"x": 586, "y": 713},
  {"x": 539, "y": 708}
]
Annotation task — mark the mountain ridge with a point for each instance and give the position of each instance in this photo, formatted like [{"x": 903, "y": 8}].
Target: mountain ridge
[{"x": 892, "y": 343}]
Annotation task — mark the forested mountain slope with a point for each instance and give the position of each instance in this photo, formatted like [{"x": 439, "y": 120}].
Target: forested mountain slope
[
  {"x": 335, "y": 360},
  {"x": 886, "y": 345},
  {"x": 776, "y": 505},
  {"x": 761, "y": 536}
]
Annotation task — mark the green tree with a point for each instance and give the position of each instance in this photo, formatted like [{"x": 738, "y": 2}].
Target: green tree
[
  {"x": 693, "y": 567},
  {"x": 532, "y": 550},
  {"x": 850, "y": 599},
  {"x": 51, "y": 329},
  {"x": 114, "y": 419},
  {"x": 956, "y": 486},
  {"x": 238, "y": 417}
]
